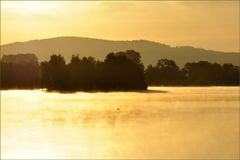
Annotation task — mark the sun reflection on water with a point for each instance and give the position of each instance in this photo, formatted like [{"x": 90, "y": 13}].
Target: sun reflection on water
[{"x": 183, "y": 122}]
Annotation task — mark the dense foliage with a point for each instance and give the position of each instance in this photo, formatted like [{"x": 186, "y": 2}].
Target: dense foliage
[
  {"x": 20, "y": 71},
  {"x": 202, "y": 73},
  {"x": 118, "y": 71}
]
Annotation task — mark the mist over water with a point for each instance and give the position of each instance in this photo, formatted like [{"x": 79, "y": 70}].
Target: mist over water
[{"x": 164, "y": 122}]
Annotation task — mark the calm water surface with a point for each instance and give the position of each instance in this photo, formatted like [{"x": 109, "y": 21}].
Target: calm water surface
[{"x": 165, "y": 122}]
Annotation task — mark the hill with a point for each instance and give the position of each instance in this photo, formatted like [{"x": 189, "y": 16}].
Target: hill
[{"x": 98, "y": 48}]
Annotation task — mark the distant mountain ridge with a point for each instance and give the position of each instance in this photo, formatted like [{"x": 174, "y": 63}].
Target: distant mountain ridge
[{"x": 99, "y": 48}]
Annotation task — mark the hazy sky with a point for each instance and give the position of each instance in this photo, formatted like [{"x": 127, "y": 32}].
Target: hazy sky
[{"x": 211, "y": 25}]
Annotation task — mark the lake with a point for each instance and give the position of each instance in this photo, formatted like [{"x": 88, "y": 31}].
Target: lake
[{"x": 162, "y": 123}]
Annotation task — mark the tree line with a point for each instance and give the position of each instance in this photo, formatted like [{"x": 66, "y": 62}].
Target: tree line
[
  {"x": 202, "y": 73},
  {"x": 118, "y": 71}
]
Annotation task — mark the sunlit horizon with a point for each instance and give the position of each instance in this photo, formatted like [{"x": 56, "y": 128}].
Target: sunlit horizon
[
  {"x": 180, "y": 123},
  {"x": 120, "y": 79},
  {"x": 209, "y": 25}
]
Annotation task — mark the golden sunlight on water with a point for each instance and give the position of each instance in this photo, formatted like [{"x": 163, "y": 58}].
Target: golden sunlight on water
[{"x": 165, "y": 122}]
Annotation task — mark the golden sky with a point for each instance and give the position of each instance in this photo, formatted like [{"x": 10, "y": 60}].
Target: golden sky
[{"x": 211, "y": 25}]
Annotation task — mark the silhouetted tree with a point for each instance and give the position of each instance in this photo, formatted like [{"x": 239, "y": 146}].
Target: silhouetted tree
[
  {"x": 123, "y": 73},
  {"x": 54, "y": 75},
  {"x": 133, "y": 56},
  {"x": 230, "y": 75},
  {"x": 166, "y": 72},
  {"x": 205, "y": 73},
  {"x": 20, "y": 71},
  {"x": 117, "y": 72},
  {"x": 83, "y": 73}
]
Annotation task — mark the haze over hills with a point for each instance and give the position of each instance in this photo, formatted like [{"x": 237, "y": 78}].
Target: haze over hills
[{"x": 98, "y": 48}]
